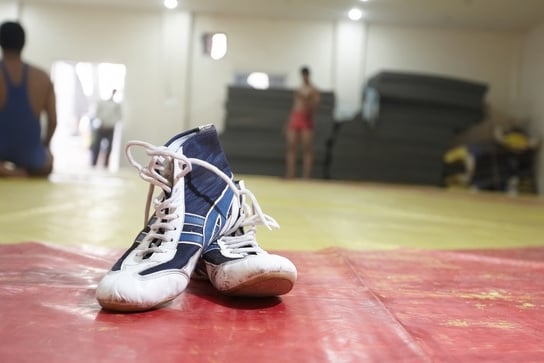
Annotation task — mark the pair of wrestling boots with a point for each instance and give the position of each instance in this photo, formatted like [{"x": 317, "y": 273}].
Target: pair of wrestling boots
[{"x": 204, "y": 225}]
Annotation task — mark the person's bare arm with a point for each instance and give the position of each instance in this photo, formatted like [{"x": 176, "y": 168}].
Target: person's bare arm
[{"x": 51, "y": 113}]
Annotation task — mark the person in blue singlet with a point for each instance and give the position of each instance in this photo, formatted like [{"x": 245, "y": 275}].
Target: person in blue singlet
[{"x": 25, "y": 93}]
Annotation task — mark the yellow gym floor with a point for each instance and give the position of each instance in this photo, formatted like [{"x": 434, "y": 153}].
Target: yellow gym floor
[{"x": 107, "y": 210}]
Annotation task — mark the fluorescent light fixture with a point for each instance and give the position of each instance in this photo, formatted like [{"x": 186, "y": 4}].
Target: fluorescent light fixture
[
  {"x": 171, "y": 4},
  {"x": 258, "y": 80},
  {"x": 218, "y": 48},
  {"x": 355, "y": 14}
]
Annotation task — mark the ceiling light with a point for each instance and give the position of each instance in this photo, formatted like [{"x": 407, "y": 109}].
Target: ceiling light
[
  {"x": 355, "y": 14},
  {"x": 171, "y": 4}
]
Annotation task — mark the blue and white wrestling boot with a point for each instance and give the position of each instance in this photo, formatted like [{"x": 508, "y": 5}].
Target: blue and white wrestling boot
[
  {"x": 198, "y": 204},
  {"x": 236, "y": 265}
]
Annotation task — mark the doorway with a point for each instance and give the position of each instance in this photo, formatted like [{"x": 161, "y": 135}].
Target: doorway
[{"x": 78, "y": 88}]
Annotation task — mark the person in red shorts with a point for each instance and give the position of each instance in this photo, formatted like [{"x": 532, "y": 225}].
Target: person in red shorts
[{"x": 300, "y": 126}]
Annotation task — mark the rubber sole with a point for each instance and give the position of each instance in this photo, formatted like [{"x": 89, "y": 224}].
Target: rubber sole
[{"x": 271, "y": 284}]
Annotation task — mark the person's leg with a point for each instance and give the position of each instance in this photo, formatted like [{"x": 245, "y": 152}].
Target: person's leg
[
  {"x": 307, "y": 153},
  {"x": 108, "y": 135},
  {"x": 291, "y": 153},
  {"x": 44, "y": 157},
  {"x": 46, "y": 169},
  {"x": 8, "y": 169},
  {"x": 95, "y": 146}
]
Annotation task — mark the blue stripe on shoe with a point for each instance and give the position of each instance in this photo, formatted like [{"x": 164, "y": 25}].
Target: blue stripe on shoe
[
  {"x": 194, "y": 219},
  {"x": 192, "y": 229},
  {"x": 184, "y": 252},
  {"x": 191, "y": 237},
  {"x": 217, "y": 216}
]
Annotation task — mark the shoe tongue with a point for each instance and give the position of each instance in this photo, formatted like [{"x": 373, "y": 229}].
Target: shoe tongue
[{"x": 165, "y": 168}]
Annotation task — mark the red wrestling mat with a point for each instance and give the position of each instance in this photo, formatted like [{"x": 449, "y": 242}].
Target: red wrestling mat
[{"x": 348, "y": 306}]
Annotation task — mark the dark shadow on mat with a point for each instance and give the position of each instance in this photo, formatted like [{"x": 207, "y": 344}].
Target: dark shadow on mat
[{"x": 205, "y": 290}]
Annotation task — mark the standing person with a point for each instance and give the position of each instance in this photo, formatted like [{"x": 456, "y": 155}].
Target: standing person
[
  {"x": 300, "y": 126},
  {"x": 108, "y": 113},
  {"x": 25, "y": 93}
]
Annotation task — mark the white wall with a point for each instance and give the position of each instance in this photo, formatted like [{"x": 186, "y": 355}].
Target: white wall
[
  {"x": 489, "y": 57},
  {"x": 265, "y": 44},
  {"x": 533, "y": 90},
  {"x": 8, "y": 10}
]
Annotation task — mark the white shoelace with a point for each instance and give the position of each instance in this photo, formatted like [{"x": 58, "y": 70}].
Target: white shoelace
[
  {"x": 158, "y": 173},
  {"x": 250, "y": 216}
]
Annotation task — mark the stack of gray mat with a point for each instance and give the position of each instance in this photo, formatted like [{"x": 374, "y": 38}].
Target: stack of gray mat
[
  {"x": 253, "y": 137},
  {"x": 403, "y": 139}
]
